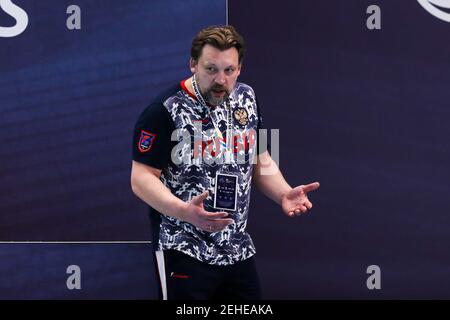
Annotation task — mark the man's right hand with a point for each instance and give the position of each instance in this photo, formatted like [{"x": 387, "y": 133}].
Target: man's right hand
[{"x": 196, "y": 215}]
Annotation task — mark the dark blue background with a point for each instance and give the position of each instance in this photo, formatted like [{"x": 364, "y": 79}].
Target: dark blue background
[
  {"x": 68, "y": 104},
  {"x": 108, "y": 271},
  {"x": 366, "y": 114},
  {"x": 363, "y": 112},
  {"x": 69, "y": 101}
]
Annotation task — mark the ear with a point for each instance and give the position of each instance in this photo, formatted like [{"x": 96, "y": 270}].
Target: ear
[{"x": 193, "y": 65}]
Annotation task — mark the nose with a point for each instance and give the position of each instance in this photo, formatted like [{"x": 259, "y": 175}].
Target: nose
[{"x": 220, "y": 78}]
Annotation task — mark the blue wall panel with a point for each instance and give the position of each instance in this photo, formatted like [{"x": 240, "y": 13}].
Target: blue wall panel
[
  {"x": 68, "y": 103},
  {"x": 365, "y": 112}
]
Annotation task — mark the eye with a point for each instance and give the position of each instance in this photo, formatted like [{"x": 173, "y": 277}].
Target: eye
[
  {"x": 229, "y": 70},
  {"x": 211, "y": 69}
]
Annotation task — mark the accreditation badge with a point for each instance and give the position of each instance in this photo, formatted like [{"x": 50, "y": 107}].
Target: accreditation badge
[{"x": 225, "y": 195}]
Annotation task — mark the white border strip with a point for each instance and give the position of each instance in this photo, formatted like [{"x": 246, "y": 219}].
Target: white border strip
[
  {"x": 75, "y": 242},
  {"x": 162, "y": 272}
]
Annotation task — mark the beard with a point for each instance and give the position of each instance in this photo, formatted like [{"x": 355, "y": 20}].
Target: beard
[{"x": 216, "y": 95}]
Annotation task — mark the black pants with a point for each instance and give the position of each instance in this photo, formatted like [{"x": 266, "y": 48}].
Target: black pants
[{"x": 185, "y": 278}]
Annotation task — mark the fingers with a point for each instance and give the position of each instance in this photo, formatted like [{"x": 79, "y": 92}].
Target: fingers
[
  {"x": 216, "y": 225},
  {"x": 298, "y": 190},
  {"x": 197, "y": 200},
  {"x": 215, "y": 221},
  {"x": 215, "y": 215},
  {"x": 308, "y": 205},
  {"x": 300, "y": 209},
  {"x": 311, "y": 187}
]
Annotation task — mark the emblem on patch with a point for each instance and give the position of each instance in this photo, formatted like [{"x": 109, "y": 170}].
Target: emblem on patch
[
  {"x": 241, "y": 116},
  {"x": 146, "y": 141}
]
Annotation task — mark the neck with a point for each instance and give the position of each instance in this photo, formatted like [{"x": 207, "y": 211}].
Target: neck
[{"x": 196, "y": 90}]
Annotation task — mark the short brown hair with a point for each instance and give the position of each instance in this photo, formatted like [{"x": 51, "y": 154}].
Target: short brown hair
[{"x": 220, "y": 37}]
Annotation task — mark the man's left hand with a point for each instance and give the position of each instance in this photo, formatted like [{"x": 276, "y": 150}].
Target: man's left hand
[{"x": 296, "y": 202}]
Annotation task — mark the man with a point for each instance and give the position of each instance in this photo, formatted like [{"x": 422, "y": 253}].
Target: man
[{"x": 199, "y": 191}]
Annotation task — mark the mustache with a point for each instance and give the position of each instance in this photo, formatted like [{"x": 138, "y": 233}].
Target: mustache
[{"x": 218, "y": 88}]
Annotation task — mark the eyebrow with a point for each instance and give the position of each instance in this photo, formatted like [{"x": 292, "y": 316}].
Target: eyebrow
[{"x": 214, "y": 65}]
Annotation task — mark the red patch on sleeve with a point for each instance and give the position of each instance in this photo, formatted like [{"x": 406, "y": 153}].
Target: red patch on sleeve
[{"x": 146, "y": 141}]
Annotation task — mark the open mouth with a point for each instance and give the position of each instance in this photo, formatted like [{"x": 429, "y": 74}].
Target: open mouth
[{"x": 218, "y": 92}]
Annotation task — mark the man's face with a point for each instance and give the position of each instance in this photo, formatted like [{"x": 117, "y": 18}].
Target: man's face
[{"x": 216, "y": 73}]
